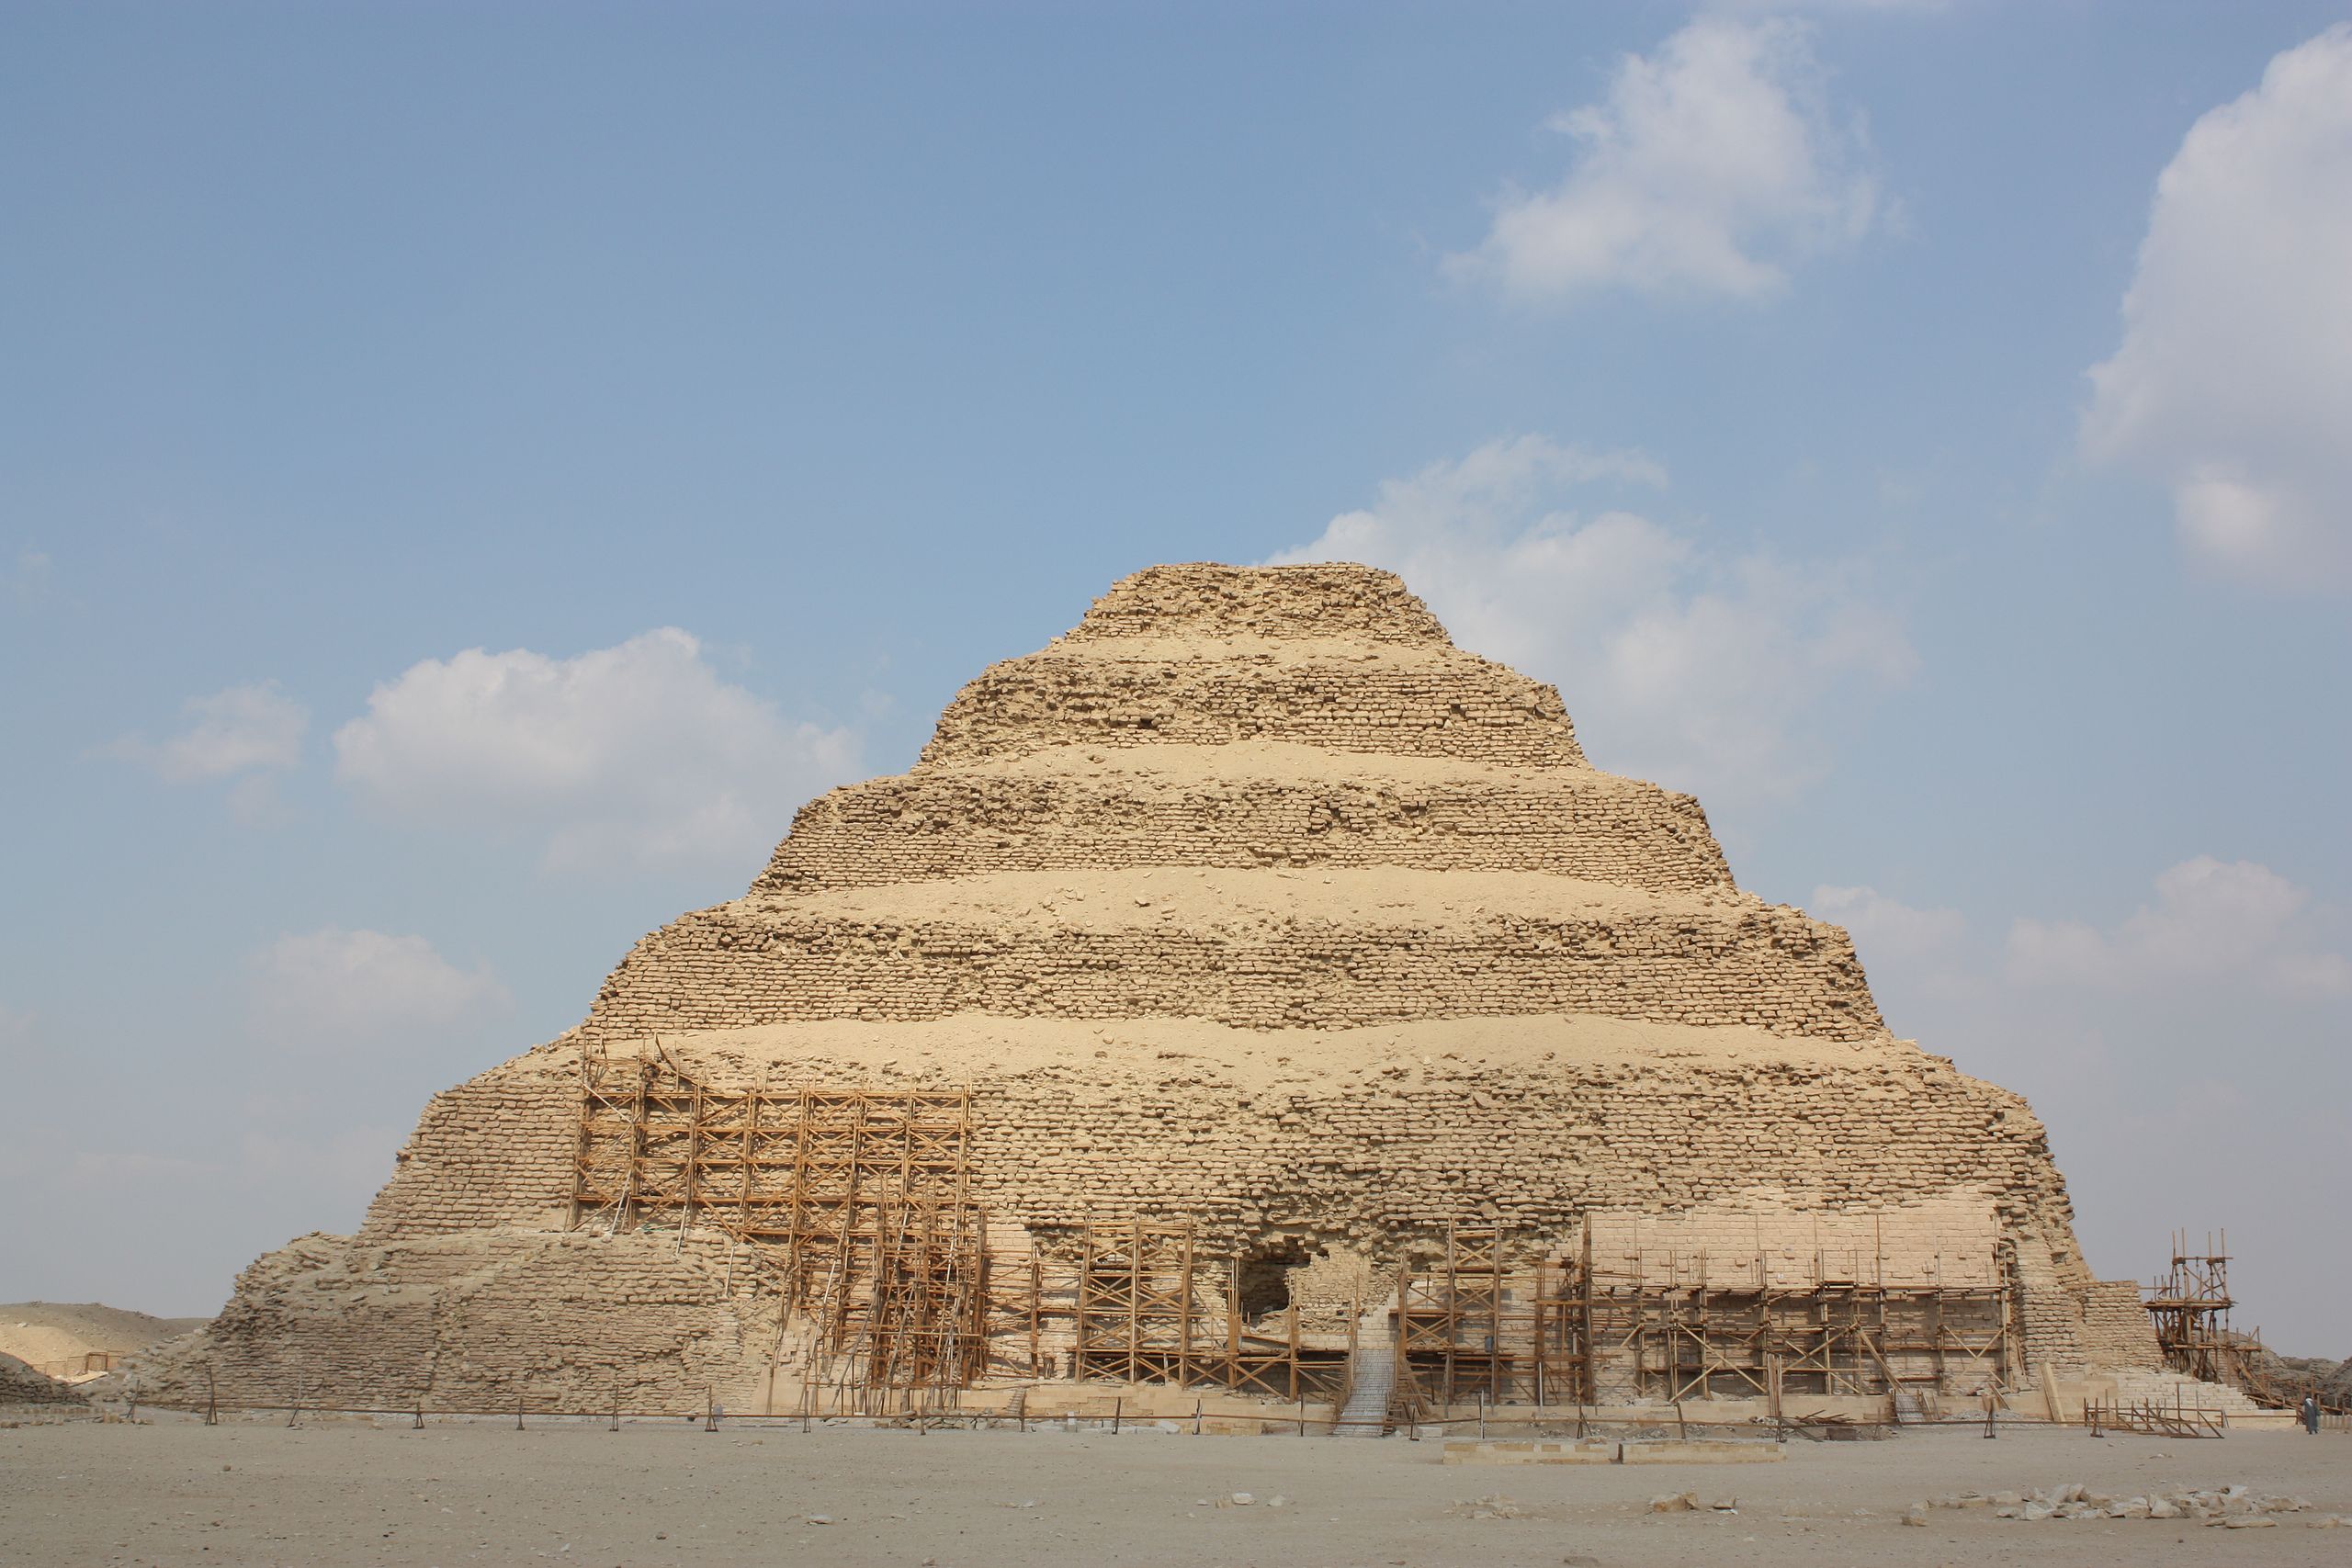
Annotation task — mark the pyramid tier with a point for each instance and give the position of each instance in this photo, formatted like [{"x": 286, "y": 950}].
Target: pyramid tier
[
  {"x": 1257, "y": 949},
  {"x": 1412, "y": 701},
  {"x": 1371, "y": 1133},
  {"x": 459, "y": 1292},
  {"x": 1329, "y": 603},
  {"x": 1249, "y": 805}
]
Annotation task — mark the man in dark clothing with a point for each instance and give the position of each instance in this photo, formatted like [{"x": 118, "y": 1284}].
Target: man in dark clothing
[{"x": 2309, "y": 1413}]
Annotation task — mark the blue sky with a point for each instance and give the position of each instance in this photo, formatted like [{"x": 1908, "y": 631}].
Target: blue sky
[{"x": 736, "y": 381}]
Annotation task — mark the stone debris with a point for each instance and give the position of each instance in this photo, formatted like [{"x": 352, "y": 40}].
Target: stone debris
[
  {"x": 1497, "y": 1506},
  {"x": 2238, "y": 1507}
]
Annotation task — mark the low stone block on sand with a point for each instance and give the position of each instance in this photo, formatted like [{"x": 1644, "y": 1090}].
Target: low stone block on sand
[
  {"x": 1700, "y": 1451},
  {"x": 1591, "y": 1450}
]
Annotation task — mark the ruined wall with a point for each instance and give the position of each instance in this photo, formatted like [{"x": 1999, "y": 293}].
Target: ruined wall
[
  {"x": 473, "y": 1321},
  {"x": 2051, "y": 1279},
  {"x": 1946, "y": 1242},
  {"x": 496, "y": 1150},
  {"x": 1373, "y": 1162},
  {"x": 2117, "y": 1330},
  {"x": 1386, "y": 1138}
]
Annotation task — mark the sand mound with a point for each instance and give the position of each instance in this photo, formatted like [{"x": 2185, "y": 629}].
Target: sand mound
[{"x": 72, "y": 1340}]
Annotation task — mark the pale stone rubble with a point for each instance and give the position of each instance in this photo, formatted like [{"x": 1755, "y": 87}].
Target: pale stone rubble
[
  {"x": 2234, "y": 1507},
  {"x": 1251, "y": 901}
]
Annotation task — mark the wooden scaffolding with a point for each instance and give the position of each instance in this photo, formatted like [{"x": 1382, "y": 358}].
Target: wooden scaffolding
[
  {"x": 855, "y": 1203},
  {"x": 1554, "y": 1330},
  {"x": 918, "y": 1324},
  {"x": 1139, "y": 1303},
  {"x": 1831, "y": 1338},
  {"x": 2190, "y": 1307},
  {"x": 1451, "y": 1322}
]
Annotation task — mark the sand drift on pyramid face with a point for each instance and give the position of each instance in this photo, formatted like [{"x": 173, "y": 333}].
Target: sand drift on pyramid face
[{"x": 1248, "y": 993}]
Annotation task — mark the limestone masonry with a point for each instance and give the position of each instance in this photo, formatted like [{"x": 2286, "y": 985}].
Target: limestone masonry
[{"x": 1246, "y": 979}]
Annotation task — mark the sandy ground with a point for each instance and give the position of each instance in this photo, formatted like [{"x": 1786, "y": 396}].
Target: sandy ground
[{"x": 660, "y": 1492}]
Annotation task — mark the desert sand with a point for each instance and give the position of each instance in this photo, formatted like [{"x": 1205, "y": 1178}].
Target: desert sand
[{"x": 176, "y": 1491}]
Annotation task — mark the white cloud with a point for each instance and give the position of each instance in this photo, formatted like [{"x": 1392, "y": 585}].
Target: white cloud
[
  {"x": 28, "y": 583},
  {"x": 16, "y": 1028},
  {"x": 1881, "y": 926},
  {"x": 638, "y": 753},
  {"x": 1785, "y": 7},
  {"x": 2234, "y": 925},
  {"x": 240, "y": 730},
  {"x": 1710, "y": 167},
  {"x": 2234, "y": 381},
  {"x": 1677, "y": 662},
  {"x": 332, "y": 987}
]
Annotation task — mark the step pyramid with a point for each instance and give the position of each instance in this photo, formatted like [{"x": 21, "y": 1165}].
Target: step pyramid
[{"x": 1253, "y": 905}]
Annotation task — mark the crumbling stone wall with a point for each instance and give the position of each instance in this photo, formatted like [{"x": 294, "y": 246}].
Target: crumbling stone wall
[
  {"x": 1387, "y": 1145},
  {"x": 474, "y": 1322},
  {"x": 493, "y": 1151},
  {"x": 2117, "y": 1330}
]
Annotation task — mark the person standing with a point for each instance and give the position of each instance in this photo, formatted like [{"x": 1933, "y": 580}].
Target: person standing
[{"x": 2309, "y": 1413}]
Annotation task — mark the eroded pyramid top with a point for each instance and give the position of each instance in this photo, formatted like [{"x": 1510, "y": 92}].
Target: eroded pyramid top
[{"x": 1206, "y": 600}]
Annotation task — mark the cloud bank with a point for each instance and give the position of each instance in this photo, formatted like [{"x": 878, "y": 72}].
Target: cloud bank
[
  {"x": 1883, "y": 925},
  {"x": 27, "y": 583},
  {"x": 2212, "y": 922},
  {"x": 249, "y": 728},
  {"x": 1679, "y": 661},
  {"x": 1710, "y": 167},
  {"x": 637, "y": 755},
  {"x": 333, "y": 988},
  {"x": 2234, "y": 381},
  {"x": 2231, "y": 929}
]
